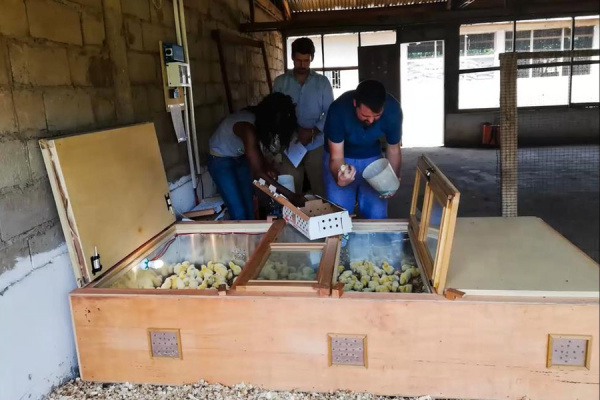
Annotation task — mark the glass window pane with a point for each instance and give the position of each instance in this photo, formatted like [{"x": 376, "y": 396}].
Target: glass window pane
[
  {"x": 586, "y": 32},
  {"x": 586, "y": 79},
  {"x": 297, "y": 265},
  {"x": 341, "y": 50},
  {"x": 481, "y": 44},
  {"x": 342, "y": 80},
  {"x": 433, "y": 232},
  {"x": 377, "y": 38},
  {"x": 479, "y": 90},
  {"x": 317, "y": 61},
  {"x": 547, "y": 86},
  {"x": 543, "y": 34}
]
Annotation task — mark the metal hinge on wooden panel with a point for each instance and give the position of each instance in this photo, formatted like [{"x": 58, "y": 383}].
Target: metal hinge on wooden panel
[
  {"x": 96, "y": 266},
  {"x": 428, "y": 173},
  {"x": 169, "y": 203}
]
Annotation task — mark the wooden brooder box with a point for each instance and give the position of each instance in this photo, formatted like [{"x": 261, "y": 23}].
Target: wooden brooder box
[{"x": 488, "y": 324}]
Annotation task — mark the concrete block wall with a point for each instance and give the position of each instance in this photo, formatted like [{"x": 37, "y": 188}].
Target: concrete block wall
[{"x": 70, "y": 66}]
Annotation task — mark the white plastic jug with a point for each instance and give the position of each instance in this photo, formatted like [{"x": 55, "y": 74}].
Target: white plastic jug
[
  {"x": 382, "y": 177},
  {"x": 287, "y": 181}
]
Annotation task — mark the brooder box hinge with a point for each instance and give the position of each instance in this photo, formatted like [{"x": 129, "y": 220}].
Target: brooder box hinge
[
  {"x": 428, "y": 173},
  {"x": 95, "y": 259},
  {"x": 169, "y": 202}
]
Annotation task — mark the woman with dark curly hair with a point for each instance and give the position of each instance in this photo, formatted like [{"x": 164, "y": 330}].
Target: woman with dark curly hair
[{"x": 236, "y": 152}]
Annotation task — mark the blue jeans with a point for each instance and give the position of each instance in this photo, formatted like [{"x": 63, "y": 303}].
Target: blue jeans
[
  {"x": 370, "y": 205},
  {"x": 234, "y": 183}
]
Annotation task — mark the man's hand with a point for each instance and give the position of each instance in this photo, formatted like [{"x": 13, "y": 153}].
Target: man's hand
[
  {"x": 345, "y": 175},
  {"x": 387, "y": 196},
  {"x": 305, "y": 135}
]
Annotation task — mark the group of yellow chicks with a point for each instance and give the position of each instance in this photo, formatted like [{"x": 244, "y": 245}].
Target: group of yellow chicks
[
  {"x": 365, "y": 276},
  {"x": 273, "y": 271},
  {"x": 182, "y": 275}
]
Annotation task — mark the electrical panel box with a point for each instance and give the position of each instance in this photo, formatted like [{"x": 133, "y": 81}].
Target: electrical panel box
[
  {"x": 178, "y": 74},
  {"x": 173, "y": 53}
]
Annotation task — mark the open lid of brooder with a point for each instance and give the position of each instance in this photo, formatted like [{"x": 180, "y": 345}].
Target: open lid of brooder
[
  {"x": 111, "y": 193},
  {"x": 432, "y": 220}
]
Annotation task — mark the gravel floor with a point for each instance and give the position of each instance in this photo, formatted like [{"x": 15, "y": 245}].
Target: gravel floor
[{"x": 79, "y": 390}]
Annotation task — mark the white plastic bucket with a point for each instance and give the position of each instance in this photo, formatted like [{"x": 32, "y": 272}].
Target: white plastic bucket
[
  {"x": 382, "y": 177},
  {"x": 287, "y": 181}
]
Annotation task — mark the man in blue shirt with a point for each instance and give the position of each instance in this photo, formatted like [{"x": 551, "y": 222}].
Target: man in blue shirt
[
  {"x": 313, "y": 95},
  {"x": 355, "y": 124}
]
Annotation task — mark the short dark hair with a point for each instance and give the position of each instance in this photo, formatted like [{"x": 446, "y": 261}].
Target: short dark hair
[
  {"x": 303, "y": 45},
  {"x": 372, "y": 94}
]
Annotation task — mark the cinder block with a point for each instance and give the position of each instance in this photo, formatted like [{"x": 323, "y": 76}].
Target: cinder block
[
  {"x": 29, "y": 106},
  {"x": 156, "y": 98},
  {"x": 164, "y": 15},
  {"x": 24, "y": 209},
  {"x": 13, "y": 158},
  {"x": 133, "y": 34},
  {"x": 8, "y": 122},
  {"x": 36, "y": 161},
  {"x": 47, "y": 240},
  {"x": 13, "y": 18},
  {"x": 4, "y": 69},
  {"x": 93, "y": 28},
  {"x": 137, "y": 8},
  {"x": 90, "y": 68},
  {"x": 39, "y": 66},
  {"x": 104, "y": 109},
  {"x": 90, "y": 3},
  {"x": 139, "y": 98},
  {"x": 142, "y": 68},
  {"x": 54, "y": 21},
  {"x": 68, "y": 109},
  {"x": 152, "y": 34},
  {"x": 16, "y": 252}
]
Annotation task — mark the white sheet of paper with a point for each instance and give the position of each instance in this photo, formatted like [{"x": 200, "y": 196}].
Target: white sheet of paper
[
  {"x": 295, "y": 152},
  {"x": 177, "y": 119}
]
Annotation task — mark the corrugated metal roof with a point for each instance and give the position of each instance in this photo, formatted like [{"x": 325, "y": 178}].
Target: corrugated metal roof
[{"x": 297, "y": 6}]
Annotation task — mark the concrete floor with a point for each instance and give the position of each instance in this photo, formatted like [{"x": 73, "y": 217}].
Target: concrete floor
[{"x": 558, "y": 184}]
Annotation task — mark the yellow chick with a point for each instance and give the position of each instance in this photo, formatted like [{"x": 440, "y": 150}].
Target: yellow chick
[
  {"x": 405, "y": 288},
  {"x": 235, "y": 269},
  {"x": 206, "y": 272},
  {"x": 179, "y": 283},
  {"x": 382, "y": 288},
  {"x": 191, "y": 271},
  {"x": 368, "y": 289},
  {"x": 387, "y": 268},
  {"x": 406, "y": 267},
  {"x": 234, "y": 279},
  {"x": 395, "y": 286},
  {"x": 211, "y": 266},
  {"x": 365, "y": 280},
  {"x": 186, "y": 263},
  {"x": 193, "y": 284},
  {"x": 345, "y": 276},
  {"x": 405, "y": 277},
  {"x": 221, "y": 270},
  {"x": 182, "y": 275},
  {"x": 178, "y": 268},
  {"x": 340, "y": 269},
  {"x": 358, "y": 286},
  {"x": 295, "y": 276},
  {"x": 203, "y": 285},
  {"x": 166, "y": 284},
  {"x": 229, "y": 274},
  {"x": 386, "y": 279},
  {"x": 414, "y": 272},
  {"x": 372, "y": 284},
  {"x": 348, "y": 287}
]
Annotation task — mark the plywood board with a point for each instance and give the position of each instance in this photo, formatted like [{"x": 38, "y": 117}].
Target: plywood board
[
  {"x": 520, "y": 256},
  {"x": 425, "y": 345},
  {"x": 112, "y": 187}
]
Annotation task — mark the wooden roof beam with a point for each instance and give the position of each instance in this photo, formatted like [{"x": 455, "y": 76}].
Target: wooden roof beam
[{"x": 421, "y": 14}]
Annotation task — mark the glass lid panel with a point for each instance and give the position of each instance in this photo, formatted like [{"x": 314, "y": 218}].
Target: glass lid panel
[
  {"x": 420, "y": 198},
  {"x": 289, "y": 234},
  {"x": 433, "y": 230},
  {"x": 190, "y": 261},
  {"x": 291, "y": 265},
  {"x": 379, "y": 262}
]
